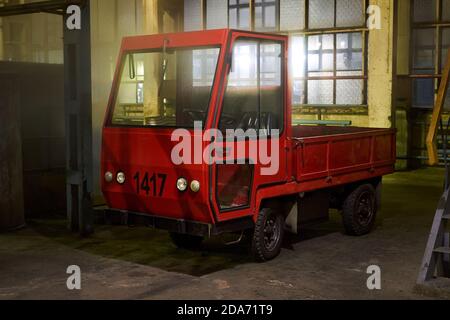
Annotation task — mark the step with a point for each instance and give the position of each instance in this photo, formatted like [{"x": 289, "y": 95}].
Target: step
[{"x": 443, "y": 250}]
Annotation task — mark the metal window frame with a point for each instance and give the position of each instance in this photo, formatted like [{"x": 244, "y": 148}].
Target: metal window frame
[{"x": 438, "y": 25}]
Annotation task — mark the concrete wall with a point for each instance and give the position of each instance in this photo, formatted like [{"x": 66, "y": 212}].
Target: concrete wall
[
  {"x": 40, "y": 107},
  {"x": 11, "y": 186}
]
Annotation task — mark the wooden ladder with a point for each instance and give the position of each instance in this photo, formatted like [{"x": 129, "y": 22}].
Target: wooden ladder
[{"x": 436, "y": 259}]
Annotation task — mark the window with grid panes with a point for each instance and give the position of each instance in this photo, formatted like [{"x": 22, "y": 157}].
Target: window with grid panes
[
  {"x": 239, "y": 14},
  {"x": 430, "y": 42},
  {"x": 328, "y": 66},
  {"x": 266, "y": 15}
]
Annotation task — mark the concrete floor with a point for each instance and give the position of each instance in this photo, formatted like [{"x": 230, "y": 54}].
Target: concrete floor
[{"x": 140, "y": 263}]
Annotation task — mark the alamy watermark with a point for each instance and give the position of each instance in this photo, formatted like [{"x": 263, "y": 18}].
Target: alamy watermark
[
  {"x": 73, "y": 19},
  {"x": 74, "y": 280},
  {"x": 223, "y": 147},
  {"x": 374, "y": 280}
]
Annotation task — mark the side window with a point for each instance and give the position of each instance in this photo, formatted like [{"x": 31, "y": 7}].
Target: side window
[{"x": 254, "y": 94}]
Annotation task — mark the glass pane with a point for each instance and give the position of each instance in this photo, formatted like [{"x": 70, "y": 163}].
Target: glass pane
[
  {"x": 171, "y": 90},
  {"x": 271, "y": 95},
  {"x": 424, "y": 48},
  {"x": 297, "y": 56},
  {"x": 445, "y": 10},
  {"x": 349, "y": 51},
  {"x": 241, "y": 100},
  {"x": 445, "y": 46},
  {"x": 244, "y": 18},
  {"x": 192, "y": 15},
  {"x": 349, "y": 92},
  {"x": 424, "y": 10},
  {"x": 233, "y": 185},
  {"x": 239, "y": 14},
  {"x": 320, "y": 53},
  {"x": 320, "y": 92},
  {"x": 232, "y": 18},
  {"x": 292, "y": 15},
  {"x": 216, "y": 10},
  {"x": 423, "y": 93},
  {"x": 349, "y": 13},
  {"x": 298, "y": 92},
  {"x": 321, "y": 14}
]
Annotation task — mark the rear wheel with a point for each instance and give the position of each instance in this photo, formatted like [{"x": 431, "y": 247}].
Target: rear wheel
[
  {"x": 268, "y": 235},
  {"x": 186, "y": 241},
  {"x": 359, "y": 210}
]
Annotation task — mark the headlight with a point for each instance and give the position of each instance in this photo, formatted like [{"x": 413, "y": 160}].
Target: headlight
[
  {"x": 109, "y": 177},
  {"x": 121, "y": 177},
  {"x": 182, "y": 184},
  {"x": 195, "y": 186}
]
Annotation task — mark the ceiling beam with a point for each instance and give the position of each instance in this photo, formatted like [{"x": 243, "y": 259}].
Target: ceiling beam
[{"x": 50, "y": 6}]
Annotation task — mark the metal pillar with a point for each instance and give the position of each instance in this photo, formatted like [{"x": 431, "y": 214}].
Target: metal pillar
[{"x": 78, "y": 118}]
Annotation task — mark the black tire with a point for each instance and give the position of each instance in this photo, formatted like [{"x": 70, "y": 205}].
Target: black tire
[
  {"x": 360, "y": 211},
  {"x": 186, "y": 241},
  {"x": 268, "y": 235}
]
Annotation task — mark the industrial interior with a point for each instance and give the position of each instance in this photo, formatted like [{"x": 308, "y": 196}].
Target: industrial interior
[{"x": 352, "y": 63}]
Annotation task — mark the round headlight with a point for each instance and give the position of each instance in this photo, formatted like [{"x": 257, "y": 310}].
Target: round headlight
[
  {"x": 109, "y": 177},
  {"x": 195, "y": 186},
  {"x": 182, "y": 184},
  {"x": 121, "y": 177}
]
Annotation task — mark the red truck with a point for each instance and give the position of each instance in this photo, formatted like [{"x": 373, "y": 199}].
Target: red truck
[{"x": 196, "y": 83}]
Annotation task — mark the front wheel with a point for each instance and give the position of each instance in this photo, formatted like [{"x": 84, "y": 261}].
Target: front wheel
[
  {"x": 360, "y": 210},
  {"x": 268, "y": 235},
  {"x": 186, "y": 241}
]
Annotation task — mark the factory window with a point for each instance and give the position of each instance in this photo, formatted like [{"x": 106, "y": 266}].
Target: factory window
[
  {"x": 216, "y": 13},
  {"x": 328, "y": 66},
  {"x": 338, "y": 13},
  {"x": 266, "y": 15},
  {"x": 292, "y": 15},
  {"x": 328, "y": 45},
  {"x": 192, "y": 15},
  {"x": 431, "y": 42},
  {"x": 328, "y": 69},
  {"x": 239, "y": 14}
]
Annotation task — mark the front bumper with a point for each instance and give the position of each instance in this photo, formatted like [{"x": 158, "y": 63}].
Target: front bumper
[{"x": 111, "y": 216}]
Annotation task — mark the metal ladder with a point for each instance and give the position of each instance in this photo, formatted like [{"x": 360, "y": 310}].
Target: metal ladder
[{"x": 436, "y": 260}]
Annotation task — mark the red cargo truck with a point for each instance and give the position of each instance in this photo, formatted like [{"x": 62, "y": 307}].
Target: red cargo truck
[{"x": 200, "y": 84}]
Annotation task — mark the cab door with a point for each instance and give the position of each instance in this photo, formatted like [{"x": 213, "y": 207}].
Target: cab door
[{"x": 251, "y": 125}]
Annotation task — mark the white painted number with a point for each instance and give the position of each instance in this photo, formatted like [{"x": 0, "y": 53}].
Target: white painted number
[
  {"x": 374, "y": 280},
  {"x": 74, "y": 281},
  {"x": 73, "y": 21}
]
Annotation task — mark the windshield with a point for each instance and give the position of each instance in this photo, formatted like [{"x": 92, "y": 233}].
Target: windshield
[{"x": 166, "y": 88}]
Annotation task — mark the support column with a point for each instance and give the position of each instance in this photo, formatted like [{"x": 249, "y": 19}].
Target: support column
[
  {"x": 78, "y": 115},
  {"x": 381, "y": 62},
  {"x": 152, "y": 67},
  {"x": 2, "y": 57}
]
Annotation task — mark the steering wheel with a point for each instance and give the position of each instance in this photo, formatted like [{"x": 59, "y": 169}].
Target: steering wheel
[{"x": 195, "y": 115}]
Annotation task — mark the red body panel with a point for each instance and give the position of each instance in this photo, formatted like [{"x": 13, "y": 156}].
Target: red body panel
[{"x": 311, "y": 158}]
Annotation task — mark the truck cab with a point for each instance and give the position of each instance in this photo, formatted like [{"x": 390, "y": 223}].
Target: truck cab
[{"x": 198, "y": 140}]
